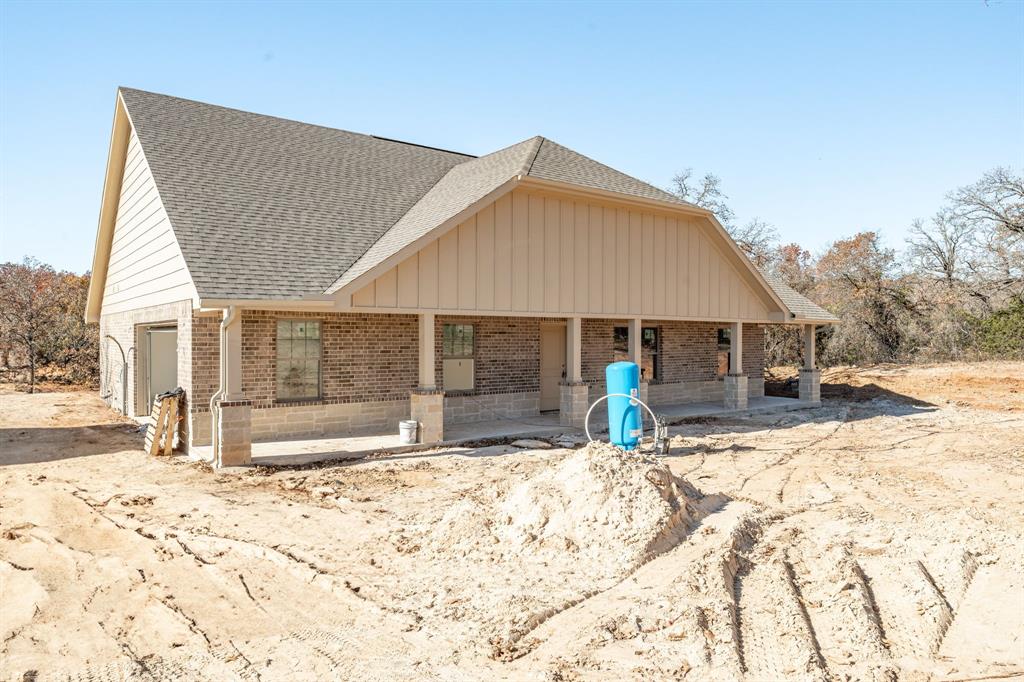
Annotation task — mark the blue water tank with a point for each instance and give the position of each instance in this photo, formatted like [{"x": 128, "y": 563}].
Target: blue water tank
[{"x": 624, "y": 418}]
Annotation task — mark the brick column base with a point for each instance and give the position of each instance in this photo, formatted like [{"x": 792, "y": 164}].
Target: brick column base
[
  {"x": 736, "y": 391},
  {"x": 574, "y": 404},
  {"x": 234, "y": 433},
  {"x": 810, "y": 385},
  {"x": 427, "y": 408}
]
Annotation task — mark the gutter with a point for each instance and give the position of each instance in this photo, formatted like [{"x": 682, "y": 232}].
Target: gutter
[{"x": 230, "y": 313}]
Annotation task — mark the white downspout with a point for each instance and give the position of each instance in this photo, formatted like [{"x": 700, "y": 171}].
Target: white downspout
[{"x": 229, "y": 317}]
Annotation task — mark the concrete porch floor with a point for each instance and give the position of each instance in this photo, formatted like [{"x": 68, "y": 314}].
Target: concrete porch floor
[{"x": 308, "y": 451}]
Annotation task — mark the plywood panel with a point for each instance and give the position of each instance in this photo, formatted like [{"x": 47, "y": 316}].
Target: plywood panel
[
  {"x": 448, "y": 270},
  {"x": 387, "y": 289},
  {"x": 485, "y": 258},
  {"x": 520, "y": 251},
  {"x": 647, "y": 265},
  {"x": 672, "y": 283},
  {"x": 610, "y": 282},
  {"x": 467, "y": 265},
  {"x": 556, "y": 255},
  {"x": 636, "y": 282},
  {"x": 595, "y": 265},
  {"x": 503, "y": 253},
  {"x": 581, "y": 255},
  {"x": 535, "y": 247},
  {"x": 566, "y": 299},
  {"x": 428, "y": 279},
  {"x": 408, "y": 296},
  {"x": 552, "y": 253}
]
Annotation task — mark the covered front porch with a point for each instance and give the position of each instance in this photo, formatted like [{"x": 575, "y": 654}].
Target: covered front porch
[
  {"x": 464, "y": 378},
  {"x": 548, "y": 426}
]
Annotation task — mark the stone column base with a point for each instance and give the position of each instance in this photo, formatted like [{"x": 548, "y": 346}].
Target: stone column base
[
  {"x": 427, "y": 408},
  {"x": 736, "y": 391},
  {"x": 574, "y": 404},
  {"x": 810, "y": 385},
  {"x": 234, "y": 433}
]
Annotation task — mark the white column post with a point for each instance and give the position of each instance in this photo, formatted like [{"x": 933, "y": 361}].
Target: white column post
[
  {"x": 810, "y": 376},
  {"x": 426, "y": 404},
  {"x": 736, "y": 348},
  {"x": 809, "y": 350},
  {"x": 634, "y": 340},
  {"x": 574, "y": 393},
  {"x": 573, "y": 350},
  {"x": 233, "y": 359},
  {"x": 428, "y": 381},
  {"x": 736, "y": 390}
]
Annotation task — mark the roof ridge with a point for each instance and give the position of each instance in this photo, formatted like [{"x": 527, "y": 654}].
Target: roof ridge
[
  {"x": 293, "y": 121},
  {"x": 536, "y": 152}
]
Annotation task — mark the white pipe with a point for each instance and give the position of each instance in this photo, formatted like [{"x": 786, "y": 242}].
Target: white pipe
[
  {"x": 229, "y": 316},
  {"x": 632, "y": 399}
]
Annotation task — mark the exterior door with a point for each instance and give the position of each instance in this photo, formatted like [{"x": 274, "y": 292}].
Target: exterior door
[
  {"x": 162, "y": 370},
  {"x": 552, "y": 365}
]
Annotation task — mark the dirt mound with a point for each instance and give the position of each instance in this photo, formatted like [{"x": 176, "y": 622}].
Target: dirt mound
[{"x": 568, "y": 531}]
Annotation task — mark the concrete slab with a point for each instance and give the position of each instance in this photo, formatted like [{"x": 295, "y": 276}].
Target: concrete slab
[{"x": 309, "y": 451}]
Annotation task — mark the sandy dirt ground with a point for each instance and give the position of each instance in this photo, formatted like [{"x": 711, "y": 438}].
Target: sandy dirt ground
[{"x": 879, "y": 537}]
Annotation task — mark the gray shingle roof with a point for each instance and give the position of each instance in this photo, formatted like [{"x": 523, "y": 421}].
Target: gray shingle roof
[
  {"x": 460, "y": 188},
  {"x": 268, "y": 208},
  {"x": 799, "y": 305}
]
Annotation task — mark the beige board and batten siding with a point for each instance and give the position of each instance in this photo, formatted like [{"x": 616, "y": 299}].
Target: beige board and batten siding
[
  {"x": 146, "y": 267},
  {"x": 535, "y": 252}
]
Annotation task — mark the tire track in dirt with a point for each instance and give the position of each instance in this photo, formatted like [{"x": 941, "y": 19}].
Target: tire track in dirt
[{"x": 682, "y": 601}]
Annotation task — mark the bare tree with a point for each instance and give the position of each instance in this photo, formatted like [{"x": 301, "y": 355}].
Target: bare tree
[
  {"x": 940, "y": 248},
  {"x": 27, "y": 308},
  {"x": 756, "y": 238},
  {"x": 705, "y": 192},
  {"x": 997, "y": 198}
]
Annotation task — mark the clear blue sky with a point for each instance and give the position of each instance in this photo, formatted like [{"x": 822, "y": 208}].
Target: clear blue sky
[{"x": 822, "y": 119}]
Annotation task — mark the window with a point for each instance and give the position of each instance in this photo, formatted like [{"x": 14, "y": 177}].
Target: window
[
  {"x": 724, "y": 344},
  {"x": 650, "y": 346},
  {"x": 457, "y": 341},
  {"x": 650, "y": 366},
  {"x": 298, "y": 359}
]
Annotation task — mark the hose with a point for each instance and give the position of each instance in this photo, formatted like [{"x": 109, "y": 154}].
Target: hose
[{"x": 633, "y": 399}]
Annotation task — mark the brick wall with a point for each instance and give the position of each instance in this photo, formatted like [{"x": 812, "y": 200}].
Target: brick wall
[
  {"x": 688, "y": 350},
  {"x": 364, "y": 357},
  {"x": 506, "y": 352},
  {"x": 128, "y": 328}
]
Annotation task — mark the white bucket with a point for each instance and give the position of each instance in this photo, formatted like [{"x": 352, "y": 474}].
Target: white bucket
[{"x": 407, "y": 431}]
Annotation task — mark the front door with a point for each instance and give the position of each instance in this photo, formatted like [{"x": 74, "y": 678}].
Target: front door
[{"x": 552, "y": 365}]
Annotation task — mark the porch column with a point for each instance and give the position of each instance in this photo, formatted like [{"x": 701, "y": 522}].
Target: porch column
[
  {"x": 426, "y": 403},
  {"x": 234, "y": 412},
  {"x": 634, "y": 340},
  {"x": 575, "y": 394},
  {"x": 736, "y": 380},
  {"x": 810, "y": 375}
]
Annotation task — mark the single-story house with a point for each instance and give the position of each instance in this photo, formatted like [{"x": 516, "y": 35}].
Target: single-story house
[{"x": 303, "y": 281}]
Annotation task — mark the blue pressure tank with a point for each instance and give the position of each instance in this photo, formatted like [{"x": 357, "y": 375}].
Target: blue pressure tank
[{"x": 624, "y": 418}]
